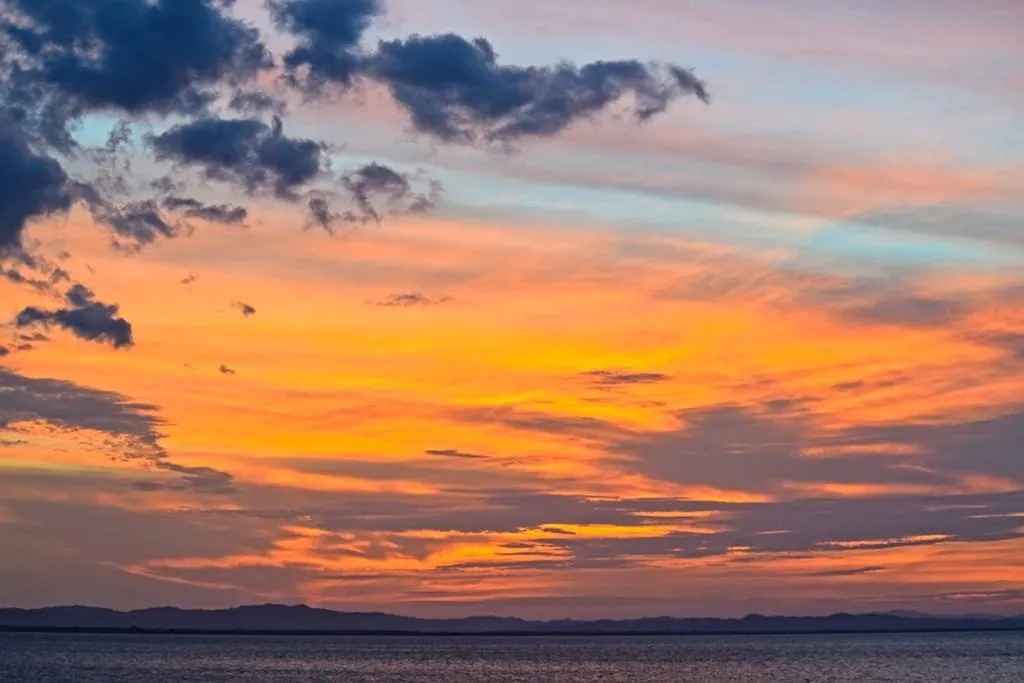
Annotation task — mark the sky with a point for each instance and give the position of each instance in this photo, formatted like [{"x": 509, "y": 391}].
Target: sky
[{"x": 627, "y": 308}]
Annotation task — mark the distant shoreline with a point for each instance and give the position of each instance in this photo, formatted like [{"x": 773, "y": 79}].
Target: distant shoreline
[
  {"x": 72, "y": 630},
  {"x": 300, "y": 620}
]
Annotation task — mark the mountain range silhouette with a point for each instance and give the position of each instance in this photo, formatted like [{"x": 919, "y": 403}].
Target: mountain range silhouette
[{"x": 300, "y": 619}]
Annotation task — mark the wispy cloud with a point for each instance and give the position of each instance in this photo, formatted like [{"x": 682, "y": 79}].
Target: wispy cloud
[
  {"x": 245, "y": 309},
  {"x": 453, "y": 453},
  {"x": 411, "y": 300},
  {"x": 612, "y": 378}
]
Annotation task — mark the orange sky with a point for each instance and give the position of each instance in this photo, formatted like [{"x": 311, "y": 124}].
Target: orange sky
[
  {"x": 718, "y": 364},
  {"x": 547, "y": 432}
]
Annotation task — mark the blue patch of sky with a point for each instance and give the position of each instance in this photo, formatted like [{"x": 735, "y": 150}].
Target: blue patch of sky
[
  {"x": 857, "y": 240},
  {"x": 534, "y": 203},
  {"x": 511, "y": 198},
  {"x": 93, "y": 130}
]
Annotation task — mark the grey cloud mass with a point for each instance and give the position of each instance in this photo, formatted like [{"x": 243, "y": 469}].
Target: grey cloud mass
[
  {"x": 69, "y": 406},
  {"x": 329, "y": 33},
  {"x": 84, "y": 317},
  {"x": 130, "y": 54},
  {"x": 623, "y": 377},
  {"x": 254, "y": 155},
  {"x": 133, "y": 427},
  {"x": 32, "y": 185},
  {"x": 455, "y": 89},
  {"x": 381, "y": 183},
  {"x": 776, "y": 449},
  {"x": 227, "y": 214}
]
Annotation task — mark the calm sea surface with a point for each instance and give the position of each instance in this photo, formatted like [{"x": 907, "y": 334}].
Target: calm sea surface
[{"x": 965, "y": 658}]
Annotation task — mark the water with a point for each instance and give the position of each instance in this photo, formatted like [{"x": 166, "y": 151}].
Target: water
[{"x": 964, "y": 658}]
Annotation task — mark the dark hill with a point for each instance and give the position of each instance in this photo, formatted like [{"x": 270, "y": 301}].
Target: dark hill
[{"x": 302, "y": 619}]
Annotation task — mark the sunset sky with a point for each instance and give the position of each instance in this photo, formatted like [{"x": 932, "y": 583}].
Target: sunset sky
[{"x": 612, "y": 349}]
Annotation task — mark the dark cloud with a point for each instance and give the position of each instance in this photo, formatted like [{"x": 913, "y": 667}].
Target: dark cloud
[
  {"x": 754, "y": 449},
  {"x": 225, "y": 370},
  {"x": 32, "y": 185},
  {"x": 411, "y": 300},
  {"x": 778, "y": 449},
  {"x": 885, "y": 381},
  {"x": 1012, "y": 342},
  {"x": 424, "y": 470},
  {"x": 373, "y": 189},
  {"x": 987, "y": 446},
  {"x": 623, "y": 377},
  {"x": 320, "y": 215},
  {"x": 195, "y": 479},
  {"x": 569, "y": 427},
  {"x": 140, "y": 223},
  {"x": 135, "y": 224},
  {"x": 247, "y": 152},
  {"x": 251, "y": 102},
  {"x": 453, "y": 453},
  {"x": 246, "y": 310},
  {"x": 167, "y": 184},
  {"x": 132, "y": 427},
  {"x": 4, "y": 351},
  {"x": 62, "y": 60},
  {"x": 801, "y": 528},
  {"x": 378, "y": 182},
  {"x": 791, "y": 528},
  {"x": 910, "y": 311},
  {"x": 120, "y": 136},
  {"x": 29, "y": 267},
  {"x": 456, "y": 90},
  {"x": 893, "y": 299},
  {"x": 43, "y": 115},
  {"x": 84, "y": 317},
  {"x": 112, "y": 166},
  {"x": 134, "y": 55},
  {"x": 831, "y": 524},
  {"x": 15, "y": 276},
  {"x": 69, "y": 406},
  {"x": 104, "y": 540},
  {"x": 57, "y": 275},
  {"x": 328, "y": 32},
  {"x": 853, "y": 571},
  {"x": 227, "y": 214}
]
